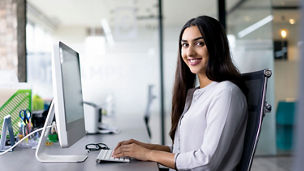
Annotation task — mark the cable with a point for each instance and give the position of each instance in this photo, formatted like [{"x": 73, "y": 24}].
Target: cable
[{"x": 4, "y": 152}]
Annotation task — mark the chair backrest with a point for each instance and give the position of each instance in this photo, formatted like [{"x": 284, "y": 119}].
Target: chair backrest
[{"x": 256, "y": 83}]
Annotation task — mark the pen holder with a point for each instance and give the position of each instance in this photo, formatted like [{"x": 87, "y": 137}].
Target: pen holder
[{"x": 29, "y": 142}]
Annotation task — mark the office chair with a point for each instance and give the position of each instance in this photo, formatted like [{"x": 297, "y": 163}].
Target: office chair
[{"x": 256, "y": 83}]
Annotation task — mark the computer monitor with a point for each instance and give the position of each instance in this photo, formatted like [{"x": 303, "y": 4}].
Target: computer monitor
[
  {"x": 67, "y": 104},
  {"x": 67, "y": 95}
]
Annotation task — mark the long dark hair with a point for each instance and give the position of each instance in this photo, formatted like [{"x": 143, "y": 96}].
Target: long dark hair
[{"x": 219, "y": 66}]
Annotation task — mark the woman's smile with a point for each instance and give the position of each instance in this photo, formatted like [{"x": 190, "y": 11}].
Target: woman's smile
[{"x": 194, "y": 61}]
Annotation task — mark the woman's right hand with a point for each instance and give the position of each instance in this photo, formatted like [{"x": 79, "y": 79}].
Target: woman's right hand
[{"x": 128, "y": 142}]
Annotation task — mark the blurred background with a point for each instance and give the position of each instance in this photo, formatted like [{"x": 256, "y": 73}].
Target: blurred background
[{"x": 119, "y": 46}]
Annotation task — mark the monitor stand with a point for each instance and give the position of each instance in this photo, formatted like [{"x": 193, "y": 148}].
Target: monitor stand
[{"x": 41, "y": 154}]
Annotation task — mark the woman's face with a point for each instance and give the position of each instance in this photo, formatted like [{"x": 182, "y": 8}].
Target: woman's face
[{"x": 194, "y": 51}]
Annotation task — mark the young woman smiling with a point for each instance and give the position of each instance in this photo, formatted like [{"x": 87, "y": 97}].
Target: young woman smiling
[{"x": 208, "y": 121}]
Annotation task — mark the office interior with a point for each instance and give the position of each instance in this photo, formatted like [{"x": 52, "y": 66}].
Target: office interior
[{"x": 119, "y": 46}]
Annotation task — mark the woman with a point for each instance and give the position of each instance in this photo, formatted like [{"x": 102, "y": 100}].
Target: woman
[{"x": 209, "y": 121}]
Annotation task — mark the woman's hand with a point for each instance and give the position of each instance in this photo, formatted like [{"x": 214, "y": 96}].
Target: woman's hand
[
  {"x": 125, "y": 143},
  {"x": 142, "y": 151},
  {"x": 131, "y": 148}
]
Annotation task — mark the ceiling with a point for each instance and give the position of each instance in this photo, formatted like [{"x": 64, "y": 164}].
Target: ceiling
[{"x": 90, "y": 12}]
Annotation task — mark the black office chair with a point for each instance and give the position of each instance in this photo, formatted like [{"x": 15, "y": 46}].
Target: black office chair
[{"x": 256, "y": 83}]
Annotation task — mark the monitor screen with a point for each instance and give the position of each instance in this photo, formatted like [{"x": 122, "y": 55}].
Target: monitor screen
[
  {"x": 68, "y": 100},
  {"x": 67, "y": 105},
  {"x": 72, "y": 92}
]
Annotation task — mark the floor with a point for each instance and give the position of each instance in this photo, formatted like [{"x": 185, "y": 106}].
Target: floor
[{"x": 278, "y": 163}]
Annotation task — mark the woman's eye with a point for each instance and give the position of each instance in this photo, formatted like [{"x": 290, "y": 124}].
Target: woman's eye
[
  {"x": 185, "y": 45},
  {"x": 200, "y": 43}
]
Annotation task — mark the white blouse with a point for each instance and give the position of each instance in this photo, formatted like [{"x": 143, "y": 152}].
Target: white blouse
[{"x": 210, "y": 132}]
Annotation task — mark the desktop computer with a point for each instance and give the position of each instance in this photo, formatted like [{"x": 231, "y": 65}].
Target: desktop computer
[{"x": 67, "y": 106}]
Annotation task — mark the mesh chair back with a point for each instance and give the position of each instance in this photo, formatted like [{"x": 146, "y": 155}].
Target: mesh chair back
[{"x": 256, "y": 83}]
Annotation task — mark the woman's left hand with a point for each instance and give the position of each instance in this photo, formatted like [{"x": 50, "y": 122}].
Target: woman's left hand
[{"x": 132, "y": 150}]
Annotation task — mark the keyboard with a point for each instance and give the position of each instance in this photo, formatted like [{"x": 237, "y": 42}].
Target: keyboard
[{"x": 106, "y": 156}]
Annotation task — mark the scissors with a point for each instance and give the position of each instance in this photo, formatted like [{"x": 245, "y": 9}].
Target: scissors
[{"x": 25, "y": 115}]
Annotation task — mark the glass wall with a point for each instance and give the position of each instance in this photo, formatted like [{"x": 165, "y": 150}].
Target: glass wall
[
  {"x": 250, "y": 35},
  {"x": 118, "y": 46},
  {"x": 39, "y": 51},
  {"x": 286, "y": 36}
]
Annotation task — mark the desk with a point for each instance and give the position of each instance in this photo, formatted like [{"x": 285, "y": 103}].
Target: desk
[{"x": 24, "y": 159}]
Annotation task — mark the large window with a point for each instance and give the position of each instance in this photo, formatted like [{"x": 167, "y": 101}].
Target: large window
[{"x": 39, "y": 43}]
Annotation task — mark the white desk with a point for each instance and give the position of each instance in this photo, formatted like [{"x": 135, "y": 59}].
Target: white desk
[{"x": 131, "y": 127}]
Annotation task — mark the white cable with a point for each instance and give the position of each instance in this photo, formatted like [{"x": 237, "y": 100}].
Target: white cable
[{"x": 4, "y": 152}]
